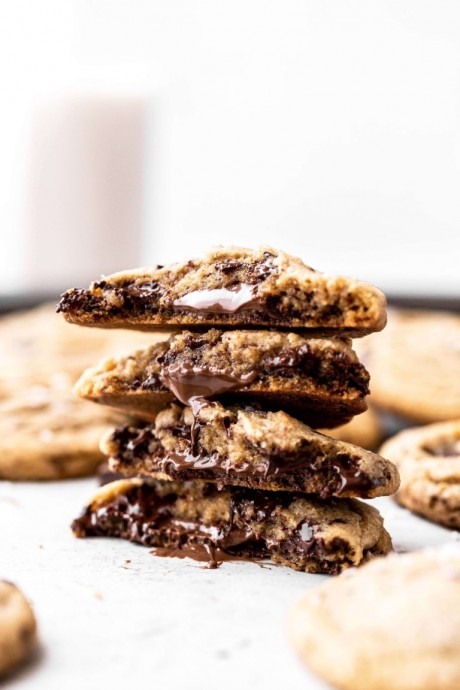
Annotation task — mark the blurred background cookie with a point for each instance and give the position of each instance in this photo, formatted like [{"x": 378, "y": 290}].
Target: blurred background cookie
[
  {"x": 37, "y": 343},
  {"x": 393, "y": 624},
  {"x": 414, "y": 365},
  {"x": 364, "y": 430},
  {"x": 18, "y": 628},
  {"x": 428, "y": 459},
  {"x": 46, "y": 432}
]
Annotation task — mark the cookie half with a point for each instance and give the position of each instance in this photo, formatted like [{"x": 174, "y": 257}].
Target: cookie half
[
  {"x": 394, "y": 624},
  {"x": 18, "y": 628},
  {"x": 318, "y": 380},
  {"x": 415, "y": 365},
  {"x": 251, "y": 448},
  {"x": 230, "y": 287},
  {"x": 199, "y": 520},
  {"x": 428, "y": 459}
]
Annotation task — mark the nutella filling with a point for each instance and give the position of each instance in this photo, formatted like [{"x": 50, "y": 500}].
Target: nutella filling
[{"x": 220, "y": 300}]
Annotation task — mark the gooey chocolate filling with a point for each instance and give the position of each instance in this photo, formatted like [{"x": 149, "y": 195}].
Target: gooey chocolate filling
[
  {"x": 148, "y": 515},
  {"x": 139, "y": 450}
]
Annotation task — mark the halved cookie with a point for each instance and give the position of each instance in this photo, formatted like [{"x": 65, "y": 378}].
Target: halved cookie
[
  {"x": 230, "y": 287},
  {"x": 251, "y": 448},
  {"x": 204, "y": 522},
  {"x": 318, "y": 380}
]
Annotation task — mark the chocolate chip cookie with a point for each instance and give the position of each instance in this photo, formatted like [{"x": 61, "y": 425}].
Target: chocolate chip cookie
[
  {"x": 18, "y": 629},
  {"x": 393, "y": 624},
  {"x": 428, "y": 459},
  {"x": 201, "y": 521},
  {"x": 248, "y": 447},
  {"x": 46, "y": 433},
  {"x": 230, "y": 287},
  {"x": 318, "y": 380},
  {"x": 415, "y": 365},
  {"x": 36, "y": 344},
  {"x": 364, "y": 430}
]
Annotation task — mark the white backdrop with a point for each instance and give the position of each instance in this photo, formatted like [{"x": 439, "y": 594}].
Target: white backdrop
[{"x": 331, "y": 129}]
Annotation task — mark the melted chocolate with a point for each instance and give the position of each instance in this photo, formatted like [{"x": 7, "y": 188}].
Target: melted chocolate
[
  {"x": 350, "y": 475},
  {"x": 186, "y": 381},
  {"x": 139, "y": 450},
  {"x": 178, "y": 370}
]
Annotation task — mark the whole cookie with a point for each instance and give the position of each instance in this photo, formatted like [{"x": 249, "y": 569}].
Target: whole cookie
[
  {"x": 415, "y": 365},
  {"x": 47, "y": 433},
  {"x": 18, "y": 635},
  {"x": 36, "y": 343},
  {"x": 364, "y": 430},
  {"x": 393, "y": 624},
  {"x": 428, "y": 459}
]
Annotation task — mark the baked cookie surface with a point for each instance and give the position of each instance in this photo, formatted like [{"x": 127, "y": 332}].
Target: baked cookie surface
[
  {"x": 428, "y": 459},
  {"x": 46, "y": 433},
  {"x": 364, "y": 430},
  {"x": 393, "y": 624},
  {"x": 37, "y": 343},
  {"x": 18, "y": 629},
  {"x": 230, "y": 287},
  {"x": 415, "y": 365},
  {"x": 317, "y": 380},
  {"x": 248, "y": 447},
  {"x": 204, "y": 522}
]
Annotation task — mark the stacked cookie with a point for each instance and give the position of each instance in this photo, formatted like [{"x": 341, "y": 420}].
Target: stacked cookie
[{"x": 223, "y": 462}]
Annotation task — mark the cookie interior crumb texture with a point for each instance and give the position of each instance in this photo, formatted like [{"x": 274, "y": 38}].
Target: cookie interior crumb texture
[
  {"x": 320, "y": 381},
  {"x": 201, "y": 521},
  {"x": 230, "y": 287},
  {"x": 248, "y": 447}
]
